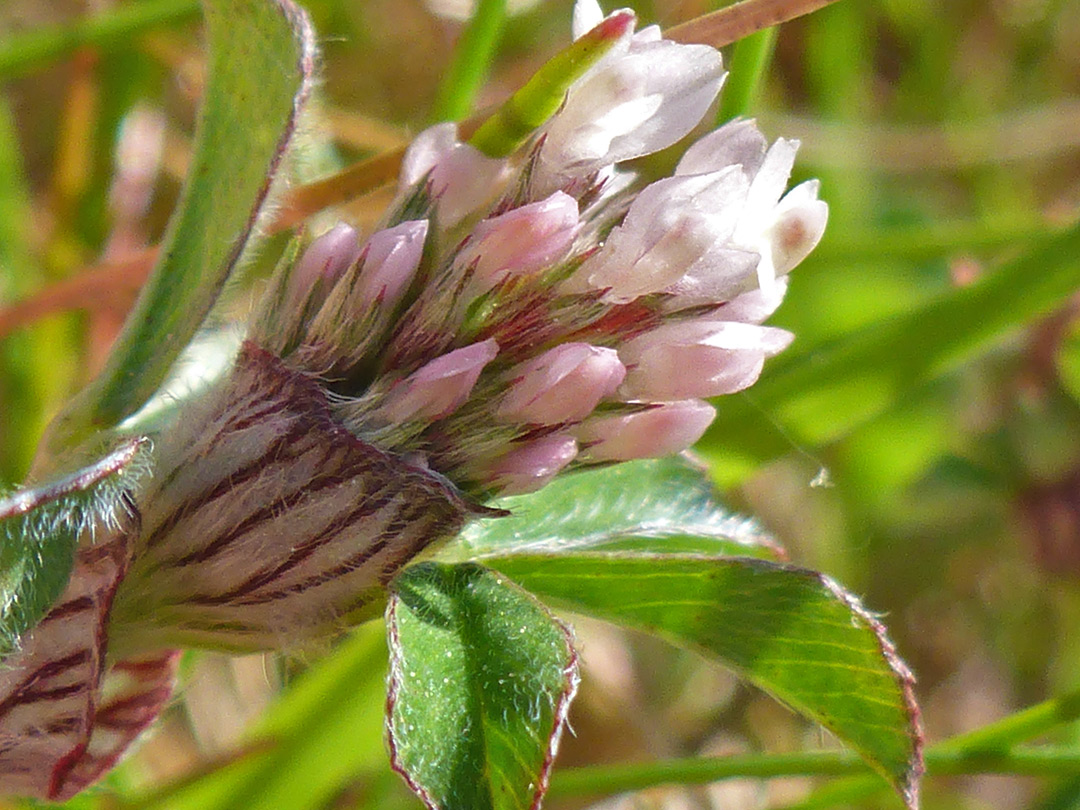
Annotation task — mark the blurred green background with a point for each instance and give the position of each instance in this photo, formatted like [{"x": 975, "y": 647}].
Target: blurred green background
[{"x": 946, "y": 491}]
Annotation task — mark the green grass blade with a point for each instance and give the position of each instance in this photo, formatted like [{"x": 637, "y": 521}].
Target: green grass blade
[
  {"x": 472, "y": 61},
  {"x": 22, "y": 52}
]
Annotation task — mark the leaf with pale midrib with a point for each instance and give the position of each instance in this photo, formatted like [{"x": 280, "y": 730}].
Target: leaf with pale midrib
[
  {"x": 793, "y": 632},
  {"x": 481, "y": 677}
]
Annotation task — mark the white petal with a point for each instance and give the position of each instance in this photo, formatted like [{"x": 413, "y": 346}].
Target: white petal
[
  {"x": 767, "y": 186},
  {"x": 738, "y": 142},
  {"x": 587, "y": 15}
]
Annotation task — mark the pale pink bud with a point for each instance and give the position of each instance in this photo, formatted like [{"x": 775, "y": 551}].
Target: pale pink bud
[
  {"x": 530, "y": 467},
  {"x": 439, "y": 387},
  {"x": 324, "y": 262},
  {"x": 523, "y": 241},
  {"x": 698, "y": 359},
  {"x": 662, "y": 430},
  {"x": 564, "y": 384},
  {"x": 391, "y": 259},
  {"x": 462, "y": 178},
  {"x": 672, "y": 226}
]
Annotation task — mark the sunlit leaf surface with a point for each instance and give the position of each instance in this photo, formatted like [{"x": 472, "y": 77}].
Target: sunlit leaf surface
[
  {"x": 657, "y": 505},
  {"x": 481, "y": 677},
  {"x": 794, "y": 633}
]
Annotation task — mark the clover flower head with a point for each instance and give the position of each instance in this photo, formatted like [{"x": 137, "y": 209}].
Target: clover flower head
[{"x": 510, "y": 320}]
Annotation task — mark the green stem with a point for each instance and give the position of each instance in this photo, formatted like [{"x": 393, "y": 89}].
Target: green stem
[
  {"x": 609, "y": 779},
  {"x": 985, "y": 750},
  {"x": 471, "y": 63},
  {"x": 25, "y": 51},
  {"x": 750, "y": 58},
  {"x": 532, "y": 105},
  {"x": 990, "y": 740},
  {"x": 1018, "y": 727}
]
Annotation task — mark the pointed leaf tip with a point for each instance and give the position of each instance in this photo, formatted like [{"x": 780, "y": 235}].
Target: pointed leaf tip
[
  {"x": 792, "y": 632},
  {"x": 40, "y": 528}
]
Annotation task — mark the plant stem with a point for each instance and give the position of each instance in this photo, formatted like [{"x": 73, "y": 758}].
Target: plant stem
[
  {"x": 25, "y": 51},
  {"x": 985, "y": 750},
  {"x": 740, "y": 20},
  {"x": 749, "y": 59},
  {"x": 608, "y": 779},
  {"x": 472, "y": 60}
]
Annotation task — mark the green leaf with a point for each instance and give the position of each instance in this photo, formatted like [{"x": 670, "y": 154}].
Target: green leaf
[
  {"x": 262, "y": 57},
  {"x": 39, "y": 529},
  {"x": 816, "y": 394},
  {"x": 481, "y": 677},
  {"x": 658, "y": 505},
  {"x": 794, "y": 633}
]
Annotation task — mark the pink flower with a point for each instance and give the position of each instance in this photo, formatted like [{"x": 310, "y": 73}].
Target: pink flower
[
  {"x": 674, "y": 227},
  {"x": 522, "y": 241},
  {"x": 439, "y": 387},
  {"x": 698, "y": 358},
  {"x": 323, "y": 263},
  {"x": 660, "y": 430},
  {"x": 391, "y": 257},
  {"x": 565, "y": 384},
  {"x": 642, "y": 96},
  {"x": 530, "y": 467},
  {"x": 461, "y": 179}
]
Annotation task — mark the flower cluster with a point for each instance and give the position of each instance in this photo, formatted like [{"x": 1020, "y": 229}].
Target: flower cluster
[
  {"x": 514, "y": 318},
  {"x": 511, "y": 319}
]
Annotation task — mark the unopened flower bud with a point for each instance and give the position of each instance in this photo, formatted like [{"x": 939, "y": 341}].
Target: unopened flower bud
[
  {"x": 390, "y": 262},
  {"x": 564, "y": 384},
  {"x": 698, "y": 359},
  {"x": 461, "y": 178},
  {"x": 439, "y": 387},
  {"x": 522, "y": 241},
  {"x": 323, "y": 263},
  {"x": 666, "y": 428},
  {"x": 530, "y": 467}
]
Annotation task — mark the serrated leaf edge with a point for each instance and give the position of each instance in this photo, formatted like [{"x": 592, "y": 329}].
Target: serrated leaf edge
[{"x": 909, "y": 789}]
